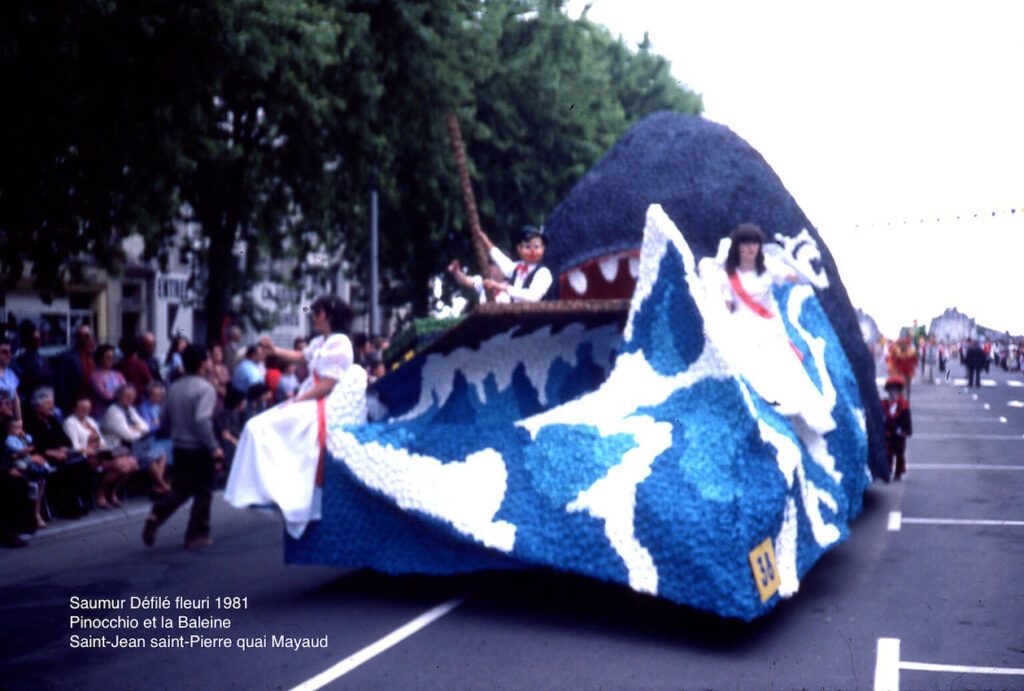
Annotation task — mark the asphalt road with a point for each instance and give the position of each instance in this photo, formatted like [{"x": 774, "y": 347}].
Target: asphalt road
[{"x": 946, "y": 585}]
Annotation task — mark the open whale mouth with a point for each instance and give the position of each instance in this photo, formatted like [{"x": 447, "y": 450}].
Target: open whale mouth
[{"x": 610, "y": 276}]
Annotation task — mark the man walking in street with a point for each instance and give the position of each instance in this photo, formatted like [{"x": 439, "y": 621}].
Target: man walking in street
[
  {"x": 974, "y": 361},
  {"x": 188, "y": 416}
]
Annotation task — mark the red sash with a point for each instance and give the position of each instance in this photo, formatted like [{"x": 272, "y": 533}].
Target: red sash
[
  {"x": 321, "y": 433},
  {"x": 737, "y": 287},
  {"x": 758, "y": 309}
]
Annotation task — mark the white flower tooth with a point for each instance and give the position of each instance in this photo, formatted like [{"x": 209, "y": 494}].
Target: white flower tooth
[
  {"x": 578, "y": 281},
  {"x": 634, "y": 266},
  {"x": 609, "y": 267}
]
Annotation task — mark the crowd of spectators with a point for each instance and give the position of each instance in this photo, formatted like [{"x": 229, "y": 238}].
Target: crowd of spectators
[{"x": 84, "y": 426}]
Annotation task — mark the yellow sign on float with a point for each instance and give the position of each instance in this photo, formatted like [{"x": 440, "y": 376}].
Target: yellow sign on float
[{"x": 766, "y": 572}]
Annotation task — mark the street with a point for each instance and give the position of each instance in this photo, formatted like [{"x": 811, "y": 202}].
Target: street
[{"x": 927, "y": 593}]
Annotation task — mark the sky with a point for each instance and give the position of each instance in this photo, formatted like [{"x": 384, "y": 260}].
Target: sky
[{"x": 885, "y": 121}]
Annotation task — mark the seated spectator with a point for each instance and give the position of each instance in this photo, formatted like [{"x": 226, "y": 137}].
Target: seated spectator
[
  {"x": 104, "y": 380},
  {"x": 8, "y": 379},
  {"x": 28, "y": 464},
  {"x": 123, "y": 426},
  {"x": 248, "y": 371},
  {"x": 151, "y": 410},
  {"x": 86, "y": 439},
  {"x": 288, "y": 383},
  {"x": 70, "y": 488},
  {"x": 16, "y": 503}
]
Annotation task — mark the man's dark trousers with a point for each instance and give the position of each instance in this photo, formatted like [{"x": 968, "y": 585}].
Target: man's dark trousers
[{"x": 193, "y": 477}]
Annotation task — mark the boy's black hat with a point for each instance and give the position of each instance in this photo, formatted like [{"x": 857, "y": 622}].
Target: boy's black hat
[{"x": 528, "y": 232}]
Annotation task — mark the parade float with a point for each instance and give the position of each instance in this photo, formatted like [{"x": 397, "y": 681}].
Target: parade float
[{"x": 620, "y": 433}]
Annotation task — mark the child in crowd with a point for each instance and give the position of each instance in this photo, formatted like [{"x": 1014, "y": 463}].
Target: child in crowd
[
  {"x": 30, "y": 466},
  {"x": 898, "y": 426},
  {"x": 288, "y": 383}
]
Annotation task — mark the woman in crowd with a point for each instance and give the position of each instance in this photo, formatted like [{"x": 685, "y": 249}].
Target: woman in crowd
[
  {"x": 125, "y": 427},
  {"x": 280, "y": 451},
  {"x": 104, "y": 380},
  {"x": 173, "y": 365},
  {"x": 219, "y": 375},
  {"x": 84, "y": 433}
]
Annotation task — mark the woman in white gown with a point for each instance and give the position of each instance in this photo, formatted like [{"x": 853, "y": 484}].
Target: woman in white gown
[
  {"x": 765, "y": 355},
  {"x": 280, "y": 453}
]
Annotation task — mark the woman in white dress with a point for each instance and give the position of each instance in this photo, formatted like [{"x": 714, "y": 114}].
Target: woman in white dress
[
  {"x": 767, "y": 358},
  {"x": 280, "y": 453}
]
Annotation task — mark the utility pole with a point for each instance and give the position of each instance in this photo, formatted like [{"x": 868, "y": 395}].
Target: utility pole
[{"x": 374, "y": 270}]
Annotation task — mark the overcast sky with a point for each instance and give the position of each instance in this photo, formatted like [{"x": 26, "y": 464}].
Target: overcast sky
[{"x": 880, "y": 118}]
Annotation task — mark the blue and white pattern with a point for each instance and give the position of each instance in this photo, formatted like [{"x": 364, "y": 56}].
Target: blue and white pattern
[{"x": 639, "y": 457}]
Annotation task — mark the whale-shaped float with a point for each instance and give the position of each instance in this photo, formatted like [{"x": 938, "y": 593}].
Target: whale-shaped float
[{"x": 617, "y": 438}]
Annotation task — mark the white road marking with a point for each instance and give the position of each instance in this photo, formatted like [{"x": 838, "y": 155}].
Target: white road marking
[
  {"x": 1002, "y": 419},
  {"x": 1015, "y": 404},
  {"x": 987, "y": 407},
  {"x": 895, "y": 520},
  {"x": 1015, "y": 384},
  {"x": 958, "y": 521},
  {"x": 960, "y": 669},
  {"x": 964, "y": 466},
  {"x": 988, "y": 382},
  {"x": 888, "y": 666},
  {"x": 369, "y": 652},
  {"x": 949, "y": 437}
]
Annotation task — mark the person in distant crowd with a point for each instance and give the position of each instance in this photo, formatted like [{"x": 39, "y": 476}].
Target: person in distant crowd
[
  {"x": 8, "y": 379},
  {"x": 125, "y": 427},
  {"x": 104, "y": 380},
  {"x": 929, "y": 360},
  {"x": 287, "y": 384},
  {"x": 147, "y": 352},
  {"x": 32, "y": 368},
  {"x": 131, "y": 365},
  {"x": 228, "y": 424},
  {"x": 248, "y": 371},
  {"x": 476, "y": 282},
  {"x": 70, "y": 488},
  {"x": 273, "y": 376},
  {"x": 902, "y": 360},
  {"x": 219, "y": 374},
  {"x": 527, "y": 280},
  {"x": 188, "y": 415},
  {"x": 898, "y": 426},
  {"x": 360, "y": 348},
  {"x": 260, "y": 398},
  {"x": 73, "y": 369},
  {"x": 232, "y": 347},
  {"x": 301, "y": 368},
  {"x": 151, "y": 410},
  {"x": 173, "y": 366},
  {"x": 17, "y": 514},
  {"x": 28, "y": 464},
  {"x": 114, "y": 465},
  {"x": 375, "y": 368},
  {"x": 974, "y": 362}
]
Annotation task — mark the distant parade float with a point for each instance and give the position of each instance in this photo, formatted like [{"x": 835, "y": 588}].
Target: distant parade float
[{"x": 633, "y": 431}]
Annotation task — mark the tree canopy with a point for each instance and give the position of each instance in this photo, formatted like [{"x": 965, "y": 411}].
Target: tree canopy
[{"x": 266, "y": 123}]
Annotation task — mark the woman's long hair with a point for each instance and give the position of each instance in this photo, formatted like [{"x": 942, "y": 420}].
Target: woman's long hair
[
  {"x": 339, "y": 314},
  {"x": 744, "y": 233}
]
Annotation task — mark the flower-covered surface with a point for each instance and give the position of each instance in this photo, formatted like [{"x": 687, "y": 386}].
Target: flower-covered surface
[{"x": 638, "y": 456}]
